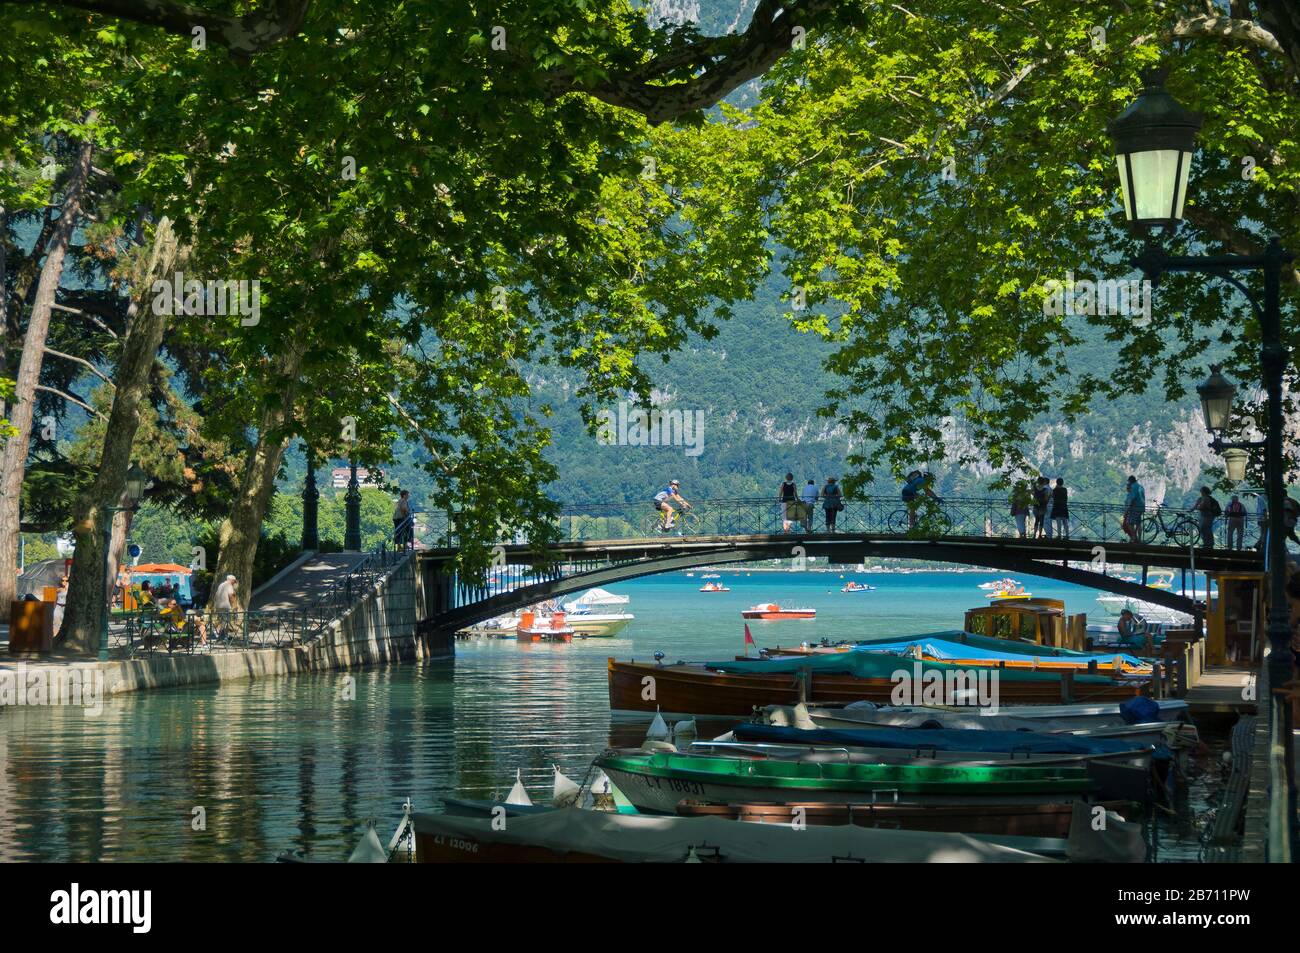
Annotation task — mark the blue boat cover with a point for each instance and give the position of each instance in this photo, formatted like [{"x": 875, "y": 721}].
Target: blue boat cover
[
  {"x": 1140, "y": 709},
  {"x": 941, "y": 739},
  {"x": 877, "y": 665},
  {"x": 943, "y": 649}
]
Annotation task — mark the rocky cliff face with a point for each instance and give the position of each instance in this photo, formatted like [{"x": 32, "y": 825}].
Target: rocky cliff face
[{"x": 712, "y": 16}]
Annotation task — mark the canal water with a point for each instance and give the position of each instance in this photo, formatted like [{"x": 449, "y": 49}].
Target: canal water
[{"x": 245, "y": 770}]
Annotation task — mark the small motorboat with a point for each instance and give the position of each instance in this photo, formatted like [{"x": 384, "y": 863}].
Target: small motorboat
[
  {"x": 852, "y": 586},
  {"x": 598, "y": 614},
  {"x": 1000, "y": 584},
  {"x": 544, "y": 629},
  {"x": 714, "y": 587},
  {"x": 772, "y": 611}
]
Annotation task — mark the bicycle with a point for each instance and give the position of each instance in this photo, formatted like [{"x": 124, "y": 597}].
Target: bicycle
[
  {"x": 1183, "y": 530},
  {"x": 919, "y": 522},
  {"x": 685, "y": 523}
]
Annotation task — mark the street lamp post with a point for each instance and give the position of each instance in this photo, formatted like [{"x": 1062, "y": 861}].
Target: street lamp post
[
  {"x": 1154, "y": 141},
  {"x": 352, "y": 512},
  {"x": 134, "y": 490}
]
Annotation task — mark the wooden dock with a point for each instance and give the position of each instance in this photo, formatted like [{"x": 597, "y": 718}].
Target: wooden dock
[{"x": 1224, "y": 690}]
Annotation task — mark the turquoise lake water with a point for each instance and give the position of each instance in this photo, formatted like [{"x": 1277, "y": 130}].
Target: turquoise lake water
[{"x": 302, "y": 762}]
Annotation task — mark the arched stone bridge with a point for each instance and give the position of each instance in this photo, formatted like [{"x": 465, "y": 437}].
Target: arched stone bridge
[{"x": 605, "y": 544}]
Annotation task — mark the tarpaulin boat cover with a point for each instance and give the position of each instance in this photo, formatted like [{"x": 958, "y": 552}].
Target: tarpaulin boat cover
[
  {"x": 600, "y": 597},
  {"x": 1138, "y": 710},
  {"x": 944, "y": 739},
  {"x": 640, "y": 838},
  {"x": 874, "y": 665},
  {"x": 944, "y": 649}
]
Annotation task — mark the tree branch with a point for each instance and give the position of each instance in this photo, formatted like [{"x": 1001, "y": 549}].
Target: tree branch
[
  {"x": 84, "y": 314},
  {"x": 718, "y": 64},
  {"x": 84, "y": 363},
  {"x": 244, "y": 35},
  {"x": 1243, "y": 31},
  {"x": 72, "y": 400}
]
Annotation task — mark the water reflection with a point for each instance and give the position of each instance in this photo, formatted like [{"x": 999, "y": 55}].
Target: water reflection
[{"x": 302, "y": 762}]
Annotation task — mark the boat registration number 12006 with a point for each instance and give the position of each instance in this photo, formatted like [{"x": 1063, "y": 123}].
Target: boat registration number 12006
[
  {"x": 672, "y": 784},
  {"x": 456, "y": 843}
]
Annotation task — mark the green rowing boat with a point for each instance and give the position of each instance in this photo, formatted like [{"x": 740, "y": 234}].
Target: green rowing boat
[{"x": 658, "y": 781}]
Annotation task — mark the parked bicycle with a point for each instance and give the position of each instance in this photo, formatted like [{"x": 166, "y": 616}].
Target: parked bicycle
[{"x": 1180, "y": 529}]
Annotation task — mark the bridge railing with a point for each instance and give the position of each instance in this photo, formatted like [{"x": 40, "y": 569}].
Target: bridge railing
[{"x": 891, "y": 516}]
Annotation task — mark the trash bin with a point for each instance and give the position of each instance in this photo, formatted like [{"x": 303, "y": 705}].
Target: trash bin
[{"x": 31, "y": 627}]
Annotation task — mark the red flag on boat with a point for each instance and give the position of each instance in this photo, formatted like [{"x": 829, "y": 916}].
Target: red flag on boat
[{"x": 749, "y": 639}]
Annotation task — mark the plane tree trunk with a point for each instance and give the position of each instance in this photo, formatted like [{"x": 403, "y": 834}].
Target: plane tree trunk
[
  {"x": 242, "y": 530},
  {"x": 89, "y": 585}
]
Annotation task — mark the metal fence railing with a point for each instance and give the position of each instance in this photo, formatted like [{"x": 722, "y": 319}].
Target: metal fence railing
[
  {"x": 891, "y": 516},
  {"x": 148, "y": 631}
]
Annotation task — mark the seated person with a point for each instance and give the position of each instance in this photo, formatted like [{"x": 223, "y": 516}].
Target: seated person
[
  {"x": 146, "y": 596},
  {"x": 1132, "y": 630}
]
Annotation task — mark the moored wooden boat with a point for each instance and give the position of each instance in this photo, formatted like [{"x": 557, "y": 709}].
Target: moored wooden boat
[
  {"x": 1051, "y": 819},
  {"x": 572, "y": 835},
  {"x": 1047, "y": 718},
  {"x": 690, "y": 689},
  {"x": 656, "y": 782}
]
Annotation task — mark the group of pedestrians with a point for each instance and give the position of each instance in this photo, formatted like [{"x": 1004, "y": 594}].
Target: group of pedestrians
[
  {"x": 799, "y": 504},
  {"x": 1048, "y": 504},
  {"x": 1209, "y": 511}
]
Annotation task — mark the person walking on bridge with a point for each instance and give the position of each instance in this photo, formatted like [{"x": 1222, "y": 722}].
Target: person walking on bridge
[
  {"x": 1135, "y": 505},
  {"x": 1235, "y": 511},
  {"x": 1022, "y": 499},
  {"x": 1041, "y": 494},
  {"x": 788, "y": 494},
  {"x": 832, "y": 502},
  {"x": 809, "y": 499},
  {"x": 1060, "y": 509},
  {"x": 1207, "y": 511}
]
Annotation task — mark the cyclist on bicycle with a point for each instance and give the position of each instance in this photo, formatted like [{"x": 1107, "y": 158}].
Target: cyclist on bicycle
[
  {"x": 663, "y": 502},
  {"x": 917, "y": 483}
]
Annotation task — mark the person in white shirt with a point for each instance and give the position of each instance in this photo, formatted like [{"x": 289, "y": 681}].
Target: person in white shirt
[
  {"x": 809, "y": 496},
  {"x": 60, "y": 604},
  {"x": 225, "y": 601}
]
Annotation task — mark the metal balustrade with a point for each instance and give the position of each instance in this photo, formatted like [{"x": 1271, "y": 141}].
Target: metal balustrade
[
  {"x": 890, "y": 516},
  {"x": 145, "y": 632}
]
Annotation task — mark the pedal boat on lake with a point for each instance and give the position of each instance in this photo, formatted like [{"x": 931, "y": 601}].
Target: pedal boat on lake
[
  {"x": 546, "y": 629},
  {"x": 770, "y": 611}
]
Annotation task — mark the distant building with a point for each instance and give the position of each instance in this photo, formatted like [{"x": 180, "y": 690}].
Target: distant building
[{"x": 340, "y": 476}]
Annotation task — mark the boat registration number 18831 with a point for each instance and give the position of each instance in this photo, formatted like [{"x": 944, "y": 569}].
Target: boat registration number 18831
[{"x": 675, "y": 785}]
